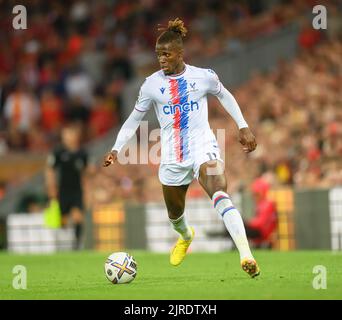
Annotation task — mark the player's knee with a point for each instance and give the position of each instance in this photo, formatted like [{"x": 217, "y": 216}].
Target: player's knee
[
  {"x": 175, "y": 211},
  {"x": 218, "y": 184}
]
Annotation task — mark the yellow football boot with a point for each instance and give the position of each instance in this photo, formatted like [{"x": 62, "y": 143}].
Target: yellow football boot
[
  {"x": 179, "y": 250},
  {"x": 251, "y": 267}
]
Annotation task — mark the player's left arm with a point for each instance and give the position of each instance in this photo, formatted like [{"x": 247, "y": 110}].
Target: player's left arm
[
  {"x": 51, "y": 177},
  {"x": 229, "y": 103},
  {"x": 246, "y": 137}
]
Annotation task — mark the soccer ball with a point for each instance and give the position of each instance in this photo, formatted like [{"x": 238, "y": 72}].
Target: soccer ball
[{"x": 120, "y": 267}]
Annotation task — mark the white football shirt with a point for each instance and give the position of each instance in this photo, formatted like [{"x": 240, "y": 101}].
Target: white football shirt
[{"x": 180, "y": 103}]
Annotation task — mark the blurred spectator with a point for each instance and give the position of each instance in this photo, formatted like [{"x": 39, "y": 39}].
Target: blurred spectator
[
  {"x": 309, "y": 37},
  {"x": 103, "y": 116},
  {"x": 334, "y": 30},
  {"x": 3, "y": 143},
  {"x": 51, "y": 112},
  {"x": 118, "y": 65},
  {"x": 79, "y": 86},
  {"x": 2, "y": 189},
  {"x": 93, "y": 60},
  {"x": 76, "y": 111},
  {"x": 21, "y": 113},
  {"x": 37, "y": 141},
  {"x": 4, "y": 88}
]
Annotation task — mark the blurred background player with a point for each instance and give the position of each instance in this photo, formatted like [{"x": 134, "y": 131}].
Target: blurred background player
[
  {"x": 260, "y": 228},
  {"x": 189, "y": 148},
  {"x": 66, "y": 166}
]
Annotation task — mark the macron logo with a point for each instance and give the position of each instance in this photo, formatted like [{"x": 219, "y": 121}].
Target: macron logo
[
  {"x": 185, "y": 107},
  {"x": 162, "y": 90}
]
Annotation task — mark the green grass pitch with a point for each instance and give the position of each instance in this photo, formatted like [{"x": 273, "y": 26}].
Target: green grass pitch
[{"x": 213, "y": 276}]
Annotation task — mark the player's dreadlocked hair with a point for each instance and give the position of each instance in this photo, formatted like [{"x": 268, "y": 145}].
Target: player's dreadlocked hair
[{"x": 175, "y": 31}]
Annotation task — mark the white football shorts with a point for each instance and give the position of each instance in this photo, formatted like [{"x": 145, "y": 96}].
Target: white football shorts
[{"x": 182, "y": 173}]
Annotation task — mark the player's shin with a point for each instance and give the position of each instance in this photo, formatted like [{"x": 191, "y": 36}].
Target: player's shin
[
  {"x": 233, "y": 222},
  {"x": 181, "y": 226}
]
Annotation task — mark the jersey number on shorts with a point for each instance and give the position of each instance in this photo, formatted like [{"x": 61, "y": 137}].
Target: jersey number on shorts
[{"x": 212, "y": 155}]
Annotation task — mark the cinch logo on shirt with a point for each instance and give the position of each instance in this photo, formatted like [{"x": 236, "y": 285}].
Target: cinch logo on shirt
[{"x": 185, "y": 107}]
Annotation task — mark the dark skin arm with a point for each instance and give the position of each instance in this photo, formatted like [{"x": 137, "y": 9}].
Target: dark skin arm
[{"x": 110, "y": 158}]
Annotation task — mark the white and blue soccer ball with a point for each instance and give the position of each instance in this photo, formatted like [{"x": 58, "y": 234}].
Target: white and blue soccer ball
[{"x": 120, "y": 267}]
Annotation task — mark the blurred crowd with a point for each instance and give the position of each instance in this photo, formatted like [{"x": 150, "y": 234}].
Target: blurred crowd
[
  {"x": 296, "y": 115},
  {"x": 75, "y": 58}
]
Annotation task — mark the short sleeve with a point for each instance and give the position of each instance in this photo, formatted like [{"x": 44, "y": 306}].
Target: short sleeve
[
  {"x": 52, "y": 160},
  {"x": 214, "y": 83},
  {"x": 144, "y": 100}
]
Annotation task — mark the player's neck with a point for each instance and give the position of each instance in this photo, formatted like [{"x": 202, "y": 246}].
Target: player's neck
[
  {"x": 72, "y": 147},
  {"x": 179, "y": 69}
]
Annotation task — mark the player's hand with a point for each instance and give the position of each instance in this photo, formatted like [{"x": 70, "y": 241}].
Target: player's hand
[
  {"x": 247, "y": 139},
  {"x": 110, "y": 158}
]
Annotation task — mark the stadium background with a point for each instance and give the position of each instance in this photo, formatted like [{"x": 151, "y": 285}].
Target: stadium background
[{"x": 85, "y": 60}]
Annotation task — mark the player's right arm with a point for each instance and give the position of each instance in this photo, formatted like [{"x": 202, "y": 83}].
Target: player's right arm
[
  {"x": 130, "y": 126},
  {"x": 50, "y": 177}
]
